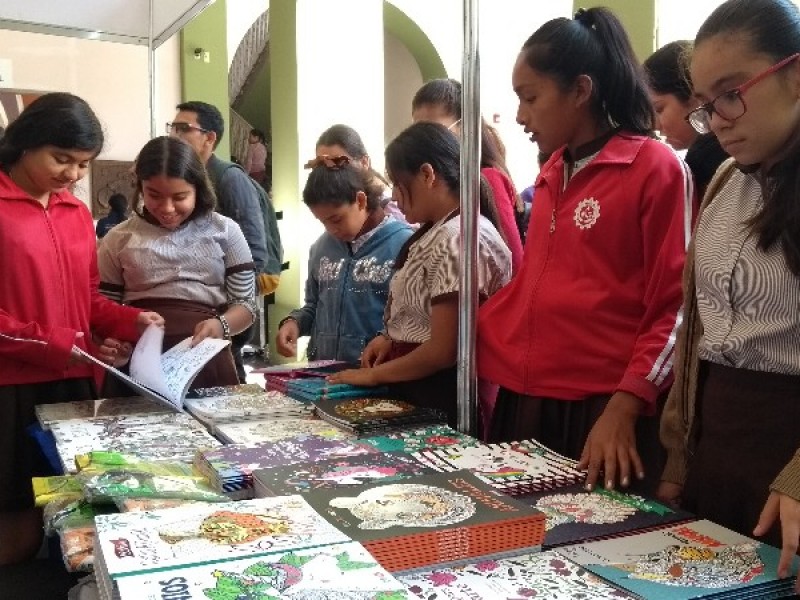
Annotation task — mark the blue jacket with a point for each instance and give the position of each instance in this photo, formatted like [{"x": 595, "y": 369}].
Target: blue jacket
[{"x": 346, "y": 292}]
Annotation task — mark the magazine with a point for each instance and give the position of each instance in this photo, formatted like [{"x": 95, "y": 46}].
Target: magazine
[{"x": 165, "y": 377}]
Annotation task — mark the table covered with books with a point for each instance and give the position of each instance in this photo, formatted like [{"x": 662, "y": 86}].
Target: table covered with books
[{"x": 307, "y": 490}]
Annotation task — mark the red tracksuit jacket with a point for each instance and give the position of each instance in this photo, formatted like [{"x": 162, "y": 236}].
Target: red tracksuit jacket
[
  {"x": 48, "y": 288},
  {"x": 596, "y": 304}
]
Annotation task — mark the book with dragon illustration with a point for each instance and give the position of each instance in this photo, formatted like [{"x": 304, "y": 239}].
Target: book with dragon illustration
[
  {"x": 344, "y": 473},
  {"x": 431, "y": 519},
  {"x": 690, "y": 560},
  {"x": 339, "y": 571},
  {"x": 546, "y": 575},
  {"x": 142, "y": 542},
  {"x": 576, "y": 515}
]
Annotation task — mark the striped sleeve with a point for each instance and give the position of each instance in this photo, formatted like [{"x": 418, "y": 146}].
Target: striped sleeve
[
  {"x": 112, "y": 283},
  {"x": 240, "y": 281}
]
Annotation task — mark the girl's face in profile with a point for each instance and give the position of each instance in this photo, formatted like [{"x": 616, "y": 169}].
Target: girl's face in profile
[
  {"x": 767, "y": 113},
  {"x": 170, "y": 200},
  {"x": 671, "y": 122},
  {"x": 343, "y": 221}
]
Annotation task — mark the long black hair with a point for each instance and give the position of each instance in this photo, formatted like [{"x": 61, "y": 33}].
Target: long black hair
[
  {"x": 339, "y": 185},
  {"x": 595, "y": 43},
  {"x": 772, "y": 28},
  {"x": 668, "y": 70},
  {"x": 172, "y": 157},
  {"x": 58, "y": 119},
  {"x": 434, "y": 144}
]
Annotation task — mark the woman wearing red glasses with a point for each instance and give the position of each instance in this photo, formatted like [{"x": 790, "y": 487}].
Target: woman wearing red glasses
[{"x": 736, "y": 398}]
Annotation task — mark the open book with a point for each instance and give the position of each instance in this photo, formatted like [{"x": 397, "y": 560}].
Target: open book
[{"x": 164, "y": 377}]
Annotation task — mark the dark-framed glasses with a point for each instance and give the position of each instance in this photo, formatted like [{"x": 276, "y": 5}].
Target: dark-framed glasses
[
  {"x": 182, "y": 127},
  {"x": 331, "y": 162},
  {"x": 730, "y": 105}
]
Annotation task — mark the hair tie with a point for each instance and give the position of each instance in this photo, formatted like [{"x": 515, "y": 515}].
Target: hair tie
[{"x": 582, "y": 17}]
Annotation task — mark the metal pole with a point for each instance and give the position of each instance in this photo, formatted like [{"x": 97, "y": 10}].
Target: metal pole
[
  {"x": 470, "y": 193},
  {"x": 151, "y": 71}
]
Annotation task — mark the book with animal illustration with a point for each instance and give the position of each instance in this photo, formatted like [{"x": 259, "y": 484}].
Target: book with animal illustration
[
  {"x": 164, "y": 377},
  {"x": 144, "y": 542},
  {"x": 346, "y": 472},
  {"x": 326, "y": 572},
  {"x": 546, "y": 575},
  {"x": 252, "y": 432},
  {"x": 431, "y": 519},
  {"x": 574, "y": 514},
  {"x": 690, "y": 560}
]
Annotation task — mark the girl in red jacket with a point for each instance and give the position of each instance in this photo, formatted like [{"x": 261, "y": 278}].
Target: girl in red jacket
[
  {"x": 581, "y": 339},
  {"x": 49, "y": 303}
]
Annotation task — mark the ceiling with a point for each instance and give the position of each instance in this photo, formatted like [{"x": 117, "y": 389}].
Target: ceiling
[{"x": 123, "y": 21}]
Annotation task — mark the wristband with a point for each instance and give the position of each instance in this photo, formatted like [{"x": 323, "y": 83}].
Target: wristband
[{"x": 226, "y": 328}]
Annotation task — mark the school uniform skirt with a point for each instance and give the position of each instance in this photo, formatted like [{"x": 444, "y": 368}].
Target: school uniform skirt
[
  {"x": 564, "y": 425},
  {"x": 747, "y": 430},
  {"x": 180, "y": 319},
  {"x": 21, "y": 456}
]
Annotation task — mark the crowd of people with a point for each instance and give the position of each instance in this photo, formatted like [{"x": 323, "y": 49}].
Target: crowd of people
[{"x": 642, "y": 318}]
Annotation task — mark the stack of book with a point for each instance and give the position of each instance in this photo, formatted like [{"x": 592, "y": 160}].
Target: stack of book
[
  {"x": 699, "y": 559},
  {"x": 545, "y": 575},
  {"x": 505, "y": 468},
  {"x": 147, "y": 543},
  {"x": 153, "y": 437},
  {"x": 48, "y": 414},
  {"x": 273, "y": 430},
  {"x": 435, "y": 519},
  {"x": 229, "y": 469},
  {"x": 574, "y": 514},
  {"x": 313, "y": 389},
  {"x": 253, "y": 404},
  {"x": 369, "y": 416},
  {"x": 343, "y": 473}
]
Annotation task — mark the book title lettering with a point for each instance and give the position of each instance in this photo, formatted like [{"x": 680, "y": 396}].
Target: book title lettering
[
  {"x": 690, "y": 535},
  {"x": 175, "y": 589},
  {"x": 483, "y": 497}
]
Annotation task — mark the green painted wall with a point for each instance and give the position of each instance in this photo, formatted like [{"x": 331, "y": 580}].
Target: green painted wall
[
  {"x": 285, "y": 152},
  {"x": 207, "y": 81},
  {"x": 407, "y": 31},
  {"x": 638, "y": 17}
]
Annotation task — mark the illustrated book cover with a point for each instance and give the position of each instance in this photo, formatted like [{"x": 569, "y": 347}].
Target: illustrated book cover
[
  {"x": 273, "y": 430},
  {"x": 366, "y": 415},
  {"x": 47, "y": 414},
  {"x": 431, "y": 519},
  {"x": 574, "y": 514},
  {"x": 344, "y": 473},
  {"x": 258, "y": 404},
  {"x": 164, "y": 377},
  {"x": 542, "y": 576},
  {"x": 338, "y": 571},
  {"x": 419, "y": 438},
  {"x": 690, "y": 560}
]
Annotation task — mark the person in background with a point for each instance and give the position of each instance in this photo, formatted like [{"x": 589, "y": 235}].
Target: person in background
[
  {"x": 181, "y": 258},
  {"x": 416, "y": 350},
  {"x": 343, "y": 140},
  {"x": 117, "y": 213},
  {"x": 349, "y": 266},
  {"x": 202, "y": 126},
  {"x": 256, "y": 161},
  {"x": 580, "y": 341},
  {"x": 49, "y": 302},
  {"x": 670, "y": 88},
  {"x": 439, "y": 101},
  {"x": 730, "y": 425}
]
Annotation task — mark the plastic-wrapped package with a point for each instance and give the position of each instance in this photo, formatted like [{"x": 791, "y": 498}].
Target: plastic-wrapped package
[
  {"x": 77, "y": 548},
  {"x": 47, "y": 489}
]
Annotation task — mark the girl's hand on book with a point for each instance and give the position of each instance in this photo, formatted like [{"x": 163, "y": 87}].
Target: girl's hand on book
[
  {"x": 114, "y": 352},
  {"x": 147, "y": 318},
  {"x": 210, "y": 328},
  {"x": 787, "y": 510},
  {"x": 363, "y": 377}
]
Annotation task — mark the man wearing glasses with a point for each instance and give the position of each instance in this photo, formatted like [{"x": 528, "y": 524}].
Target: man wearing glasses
[{"x": 201, "y": 125}]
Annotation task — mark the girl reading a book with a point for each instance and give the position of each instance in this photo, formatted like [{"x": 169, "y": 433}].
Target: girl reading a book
[
  {"x": 737, "y": 367},
  {"x": 416, "y": 350},
  {"x": 349, "y": 266},
  {"x": 49, "y": 303},
  {"x": 580, "y": 341},
  {"x": 180, "y": 257}
]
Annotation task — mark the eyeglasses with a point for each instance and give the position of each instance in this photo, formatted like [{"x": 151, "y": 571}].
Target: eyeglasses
[
  {"x": 181, "y": 127},
  {"x": 730, "y": 104},
  {"x": 331, "y": 162}
]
